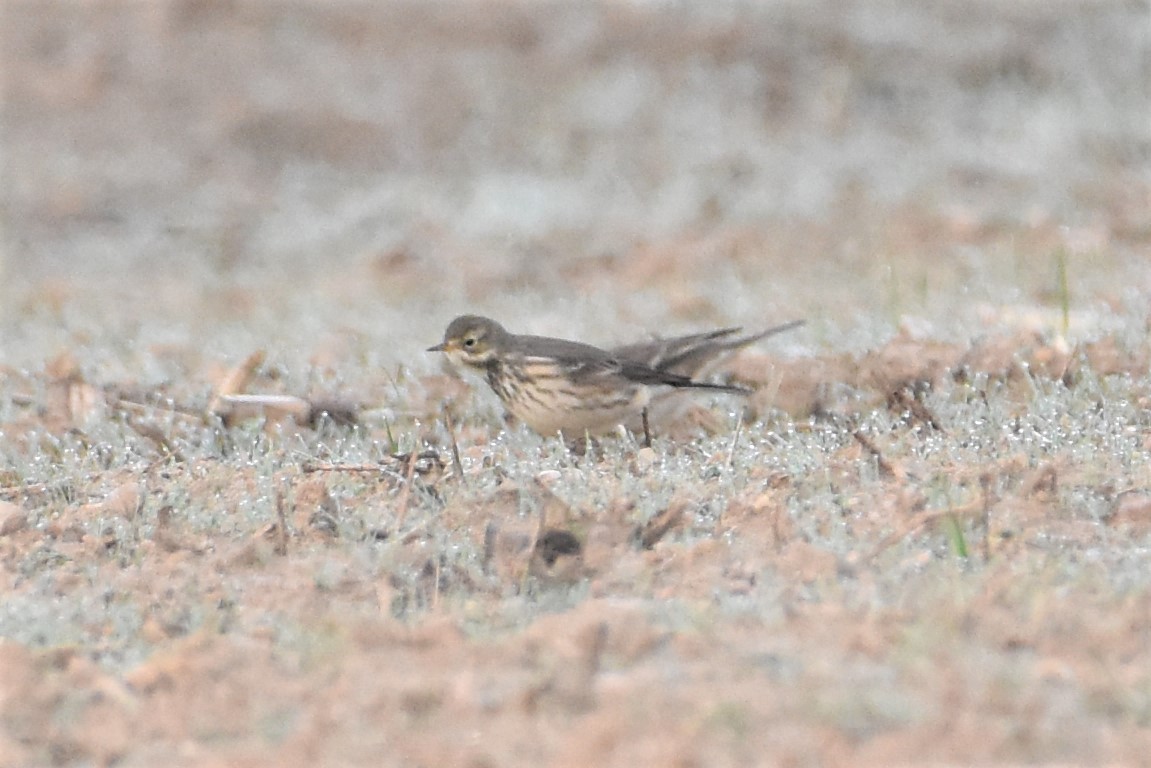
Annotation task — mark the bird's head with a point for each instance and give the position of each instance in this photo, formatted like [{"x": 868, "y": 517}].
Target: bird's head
[{"x": 472, "y": 340}]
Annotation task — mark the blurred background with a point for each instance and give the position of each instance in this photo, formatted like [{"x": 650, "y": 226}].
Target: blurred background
[{"x": 237, "y": 172}]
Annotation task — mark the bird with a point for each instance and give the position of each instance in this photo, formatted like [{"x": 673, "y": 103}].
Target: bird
[{"x": 556, "y": 386}]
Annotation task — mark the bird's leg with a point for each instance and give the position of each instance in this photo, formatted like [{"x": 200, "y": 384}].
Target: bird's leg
[{"x": 646, "y": 429}]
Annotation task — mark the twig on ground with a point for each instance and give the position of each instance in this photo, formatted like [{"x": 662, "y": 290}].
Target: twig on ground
[
  {"x": 907, "y": 397},
  {"x": 735, "y": 441},
  {"x": 406, "y": 493},
  {"x": 457, "y": 465},
  {"x": 917, "y": 522},
  {"x": 886, "y": 468},
  {"x": 281, "y": 545},
  {"x": 153, "y": 433}
]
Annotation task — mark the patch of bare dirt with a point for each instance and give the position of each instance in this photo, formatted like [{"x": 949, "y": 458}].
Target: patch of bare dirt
[{"x": 235, "y": 599}]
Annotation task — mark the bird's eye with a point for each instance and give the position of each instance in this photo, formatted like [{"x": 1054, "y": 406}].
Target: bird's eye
[{"x": 470, "y": 342}]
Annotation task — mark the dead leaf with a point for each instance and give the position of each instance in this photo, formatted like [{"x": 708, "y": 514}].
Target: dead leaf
[
  {"x": 1132, "y": 509},
  {"x": 235, "y": 381},
  {"x": 13, "y": 518},
  {"x": 274, "y": 409}
]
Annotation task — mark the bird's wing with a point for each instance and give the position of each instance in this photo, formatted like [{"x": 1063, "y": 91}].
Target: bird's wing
[
  {"x": 697, "y": 353},
  {"x": 580, "y": 361},
  {"x": 668, "y": 353},
  {"x": 583, "y": 362}
]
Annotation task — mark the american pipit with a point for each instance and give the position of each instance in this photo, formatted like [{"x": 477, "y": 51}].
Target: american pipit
[{"x": 559, "y": 386}]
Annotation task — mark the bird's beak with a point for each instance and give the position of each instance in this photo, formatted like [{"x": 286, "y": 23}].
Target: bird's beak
[{"x": 438, "y": 348}]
